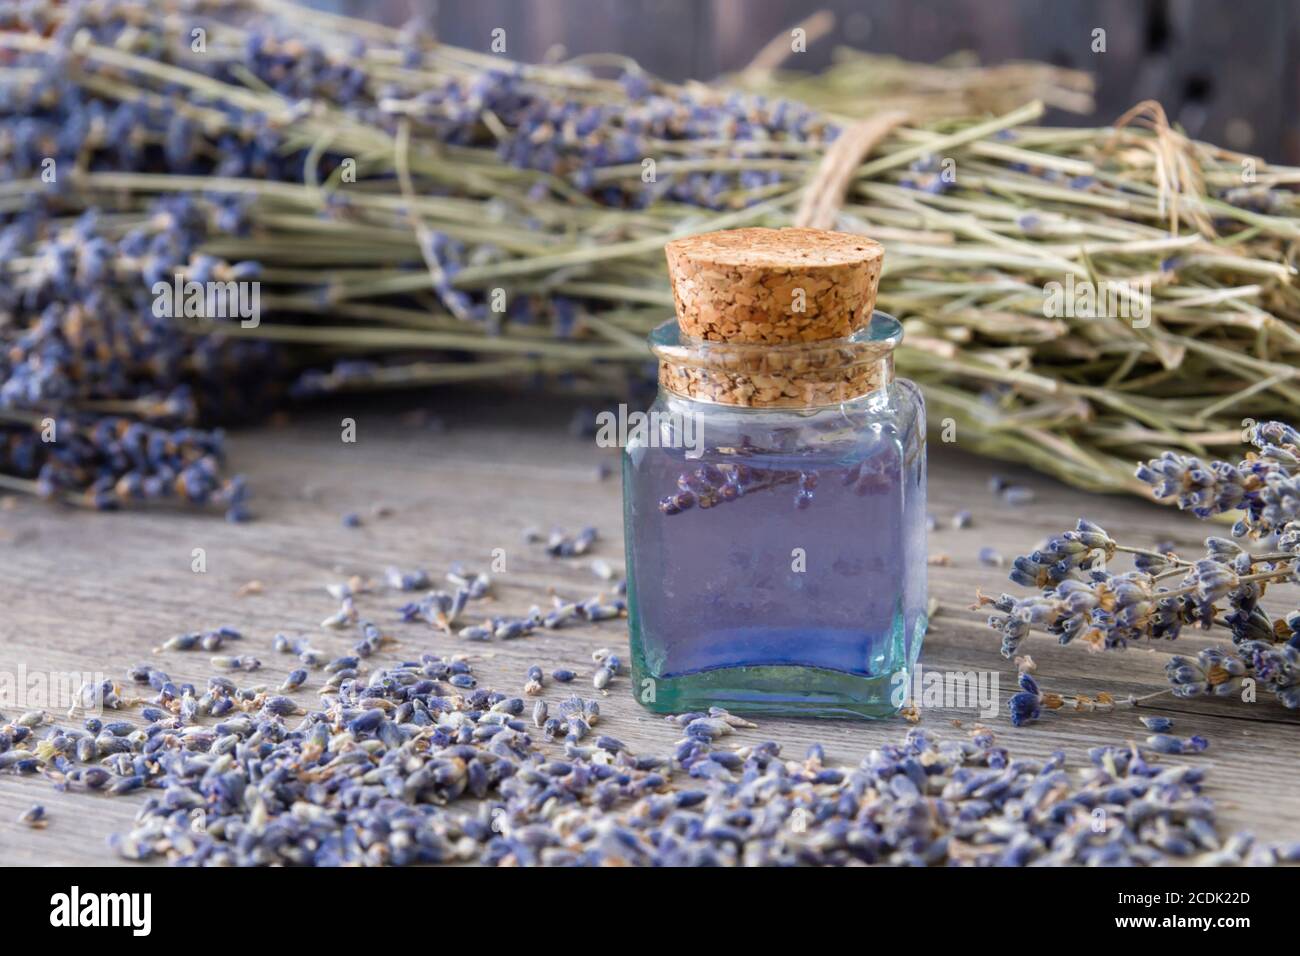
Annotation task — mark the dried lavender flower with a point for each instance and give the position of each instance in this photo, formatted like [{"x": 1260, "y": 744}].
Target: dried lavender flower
[{"x": 1080, "y": 598}]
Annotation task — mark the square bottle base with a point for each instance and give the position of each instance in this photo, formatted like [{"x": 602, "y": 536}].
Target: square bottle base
[{"x": 776, "y": 690}]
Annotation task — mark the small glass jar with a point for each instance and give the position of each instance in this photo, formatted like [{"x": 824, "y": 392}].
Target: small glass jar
[{"x": 776, "y": 550}]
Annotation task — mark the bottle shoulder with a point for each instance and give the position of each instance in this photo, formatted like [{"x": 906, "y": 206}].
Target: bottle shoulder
[{"x": 898, "y": 410}]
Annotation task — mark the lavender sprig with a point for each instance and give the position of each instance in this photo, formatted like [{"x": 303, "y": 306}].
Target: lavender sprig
[
  {"x": 1265, "y": 485},
  {"x": 1080, "y": 598},
  {"x": 711, "y": 485},
  {"x": 1031, "y": 701},
  {"x": 1223, "y": 672}
]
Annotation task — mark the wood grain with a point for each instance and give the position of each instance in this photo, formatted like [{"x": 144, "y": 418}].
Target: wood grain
[{"x": 95, "y": 592}]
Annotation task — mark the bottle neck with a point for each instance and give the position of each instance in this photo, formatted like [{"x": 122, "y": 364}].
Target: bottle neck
[
  {"x": 780, "y": 375},
  {"x": 794, "y": 385}
]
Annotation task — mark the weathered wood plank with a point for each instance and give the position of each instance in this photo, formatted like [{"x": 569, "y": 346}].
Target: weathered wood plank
[{"x": 95, "y": 592}]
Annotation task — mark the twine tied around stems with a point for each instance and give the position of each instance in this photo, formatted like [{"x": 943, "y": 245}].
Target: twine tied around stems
[{"x": 825, "y": 192}]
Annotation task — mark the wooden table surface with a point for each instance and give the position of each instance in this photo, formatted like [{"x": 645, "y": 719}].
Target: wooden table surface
[{"x": 94, "y": 592}]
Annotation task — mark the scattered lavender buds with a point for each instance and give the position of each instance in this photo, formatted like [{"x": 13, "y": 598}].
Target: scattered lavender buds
[
  {"x": 394, "y": 785},
  {"x": 345, "y": 616},
  {"x": 1167, "y": 744},
  {"x": 236, "y": 663},
  {"x": 294, "y": 680},
  {"x": 562, "y": 545},
  {"x": 206, "y": 640},
  {"x": 592, "y": 610},
  {"x": 400, "y": 580},
  {"x": 412, "y": 762},
  {"x": 1017, "y": 495},
  {"x": 534, "y": 681}
]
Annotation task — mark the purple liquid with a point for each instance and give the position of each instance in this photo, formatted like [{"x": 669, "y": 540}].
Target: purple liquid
[{"x": 820, "y": 562}]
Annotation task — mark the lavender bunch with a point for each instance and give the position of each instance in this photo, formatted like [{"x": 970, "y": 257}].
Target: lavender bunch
[
  {"x": 1080, "y": 598},
  {"x": 99, "y": 105},
  {"x": 98, "y": 394},
  {"x": 385, "y": 188},
  {"x": 108, "y": 462}
]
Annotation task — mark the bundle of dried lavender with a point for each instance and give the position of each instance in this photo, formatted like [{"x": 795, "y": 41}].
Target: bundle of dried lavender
[
  {"x": 1080, "y": 598},
  {"x": 419, "y": 214}
]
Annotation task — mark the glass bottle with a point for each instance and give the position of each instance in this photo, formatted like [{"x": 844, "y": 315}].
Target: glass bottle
[{"x": 774, "y": 505}]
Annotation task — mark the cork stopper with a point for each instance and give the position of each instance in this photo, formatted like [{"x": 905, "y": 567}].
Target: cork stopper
[{"x": 772, "y": 286}]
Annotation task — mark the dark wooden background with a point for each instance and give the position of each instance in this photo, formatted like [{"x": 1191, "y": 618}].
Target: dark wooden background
[{"x": 1228, "y": 71}]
